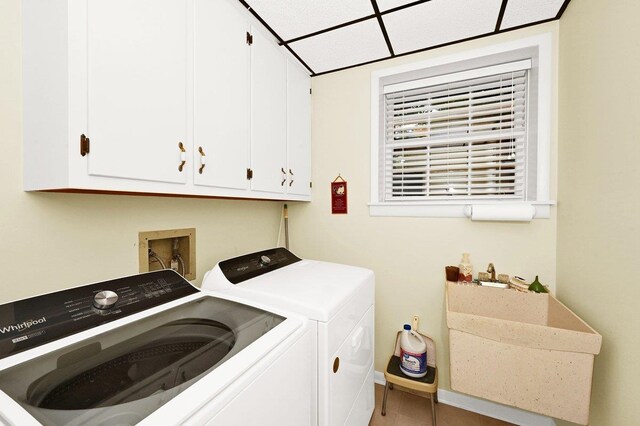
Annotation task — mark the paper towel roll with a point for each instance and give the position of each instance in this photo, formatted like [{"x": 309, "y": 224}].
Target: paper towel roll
[{"x": 503, "y": 212}]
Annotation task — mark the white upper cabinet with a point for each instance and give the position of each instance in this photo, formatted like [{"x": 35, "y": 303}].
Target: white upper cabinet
[
  {"x": 298, "y": 130},
  {"x": 160, "y": 96},
  {"x": 268, "y": 116},
  {"x": 136, "y": 87},
  {"x": 221, "y": 95}
]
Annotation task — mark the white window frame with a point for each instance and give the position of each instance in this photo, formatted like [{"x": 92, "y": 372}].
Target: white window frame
[{"x": 541, "y": 46}]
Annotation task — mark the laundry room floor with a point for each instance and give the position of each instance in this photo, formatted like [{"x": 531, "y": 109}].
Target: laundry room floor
[{"x": 406, "y": 409}]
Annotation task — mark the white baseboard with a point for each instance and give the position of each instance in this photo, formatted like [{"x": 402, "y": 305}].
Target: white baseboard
[{"x": 486, "y": 408}]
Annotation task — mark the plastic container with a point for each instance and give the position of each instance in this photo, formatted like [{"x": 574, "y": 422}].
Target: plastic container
[
  {"x": 466, "y": 269},
  {"x": 413, "y": 353}
]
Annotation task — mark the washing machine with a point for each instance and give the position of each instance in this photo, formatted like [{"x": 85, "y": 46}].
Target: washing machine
[
  {"x": 338, "y": 298},
  {"x": 152, "y": 349}
]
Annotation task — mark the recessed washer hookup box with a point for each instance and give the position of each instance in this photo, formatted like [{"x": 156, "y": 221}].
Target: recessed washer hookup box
[{"x": 526, "y": 350}]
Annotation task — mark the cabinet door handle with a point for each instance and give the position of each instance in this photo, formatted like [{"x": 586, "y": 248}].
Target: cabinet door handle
[
  {"x": 203, "y": 159},
  {"x": 291, "y": 174},
  {"x": 284, "y": 176},
  {"x": 84, "y": 145},
  {"x": 183, "y": 156}
]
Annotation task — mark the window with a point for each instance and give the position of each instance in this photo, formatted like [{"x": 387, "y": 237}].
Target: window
[
  {"x": 462, "y": 133},
  {"x": 457, "y": 137}
]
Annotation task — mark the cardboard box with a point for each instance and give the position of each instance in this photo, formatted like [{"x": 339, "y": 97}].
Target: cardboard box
[{"x": 526, "y": 350}]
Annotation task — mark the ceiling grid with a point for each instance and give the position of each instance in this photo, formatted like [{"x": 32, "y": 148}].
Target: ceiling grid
[{"x": 332, "y": 35}]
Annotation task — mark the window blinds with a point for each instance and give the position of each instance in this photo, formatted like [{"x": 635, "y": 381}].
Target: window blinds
[{"x": 452, "y": 138}]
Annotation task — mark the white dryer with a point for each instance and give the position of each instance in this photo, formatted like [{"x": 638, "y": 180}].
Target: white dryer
[{"x": 339, "y": 298}]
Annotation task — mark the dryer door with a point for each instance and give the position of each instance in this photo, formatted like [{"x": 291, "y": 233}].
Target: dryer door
[{"x": 349, "y": 368}]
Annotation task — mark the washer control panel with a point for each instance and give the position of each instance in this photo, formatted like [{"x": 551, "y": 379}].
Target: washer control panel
[
  {"x": 32, "y": 322},
  {"x": 252, "y": 265}
]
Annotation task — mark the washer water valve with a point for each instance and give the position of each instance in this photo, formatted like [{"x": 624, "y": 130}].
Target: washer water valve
[{"x": 171, "y": 249}]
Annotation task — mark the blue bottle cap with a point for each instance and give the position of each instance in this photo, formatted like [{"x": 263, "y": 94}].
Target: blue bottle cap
[{"x": 407, "y": 327}]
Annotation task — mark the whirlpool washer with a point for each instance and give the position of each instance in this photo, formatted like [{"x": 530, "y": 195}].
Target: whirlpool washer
[
  {"x": 339, "y": 299},
  {"x": 152, "y": 349}
]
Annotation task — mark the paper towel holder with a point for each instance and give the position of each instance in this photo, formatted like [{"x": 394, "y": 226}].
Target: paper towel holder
[{"x": 521, "y": 212}]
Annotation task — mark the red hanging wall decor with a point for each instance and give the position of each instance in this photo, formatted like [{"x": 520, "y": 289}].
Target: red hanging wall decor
[{"x": 339, "y": 196}]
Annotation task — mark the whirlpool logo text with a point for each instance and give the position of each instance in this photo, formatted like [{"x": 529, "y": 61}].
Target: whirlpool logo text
[{"x": 22, "y": 326}]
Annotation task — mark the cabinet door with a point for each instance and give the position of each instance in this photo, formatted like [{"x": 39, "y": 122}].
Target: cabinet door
[
  {"x": 221, "y": 95},
  {"x": 298, "y": 130},
  {"x": 268, "y": 116},
  {"x": 137, "y": 86}
]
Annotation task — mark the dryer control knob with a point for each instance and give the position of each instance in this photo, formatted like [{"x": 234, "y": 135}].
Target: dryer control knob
[
  {"x": 265, "y": 260},
  {"x": 105, "y": 299}
]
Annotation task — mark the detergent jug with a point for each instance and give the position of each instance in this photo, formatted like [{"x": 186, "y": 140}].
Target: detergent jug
[{"x": 413, "y": 353}]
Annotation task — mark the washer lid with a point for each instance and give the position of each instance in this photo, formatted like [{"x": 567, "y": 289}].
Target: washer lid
[
  {"x": 312, "y": 288},
  {"x": 138, "y": 367}
]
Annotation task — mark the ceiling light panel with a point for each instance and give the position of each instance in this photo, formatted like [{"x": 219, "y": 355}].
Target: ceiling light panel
[
  {"x": 295, "y": 18},
  {"x": 521, "y": 12},
  {"x": 346, "y": 46},
  {"x": 440, "y": 21},
  {"x": 390, "y": 4}
]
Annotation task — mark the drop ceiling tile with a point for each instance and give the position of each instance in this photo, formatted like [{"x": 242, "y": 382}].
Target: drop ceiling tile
[
  {"x": 390, "y": 4},
  {"x": 520, "y": 12},
  {"x": 440, "y": 21},
  {"x": 346, "y": 46},
  {"x": 295, "y": 18}
]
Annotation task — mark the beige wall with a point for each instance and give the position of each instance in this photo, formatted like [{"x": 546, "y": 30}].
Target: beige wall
[
  {"x": 52, "y": 241},
  {"x": 599, "y": 209},
  {"x": 408, "y": 255}
]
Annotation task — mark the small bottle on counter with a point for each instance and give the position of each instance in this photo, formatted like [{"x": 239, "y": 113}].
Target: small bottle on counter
[{"x": 466, "y": 269}]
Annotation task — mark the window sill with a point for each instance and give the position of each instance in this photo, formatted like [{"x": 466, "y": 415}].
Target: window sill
[{"x": 512, "y": 212}]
